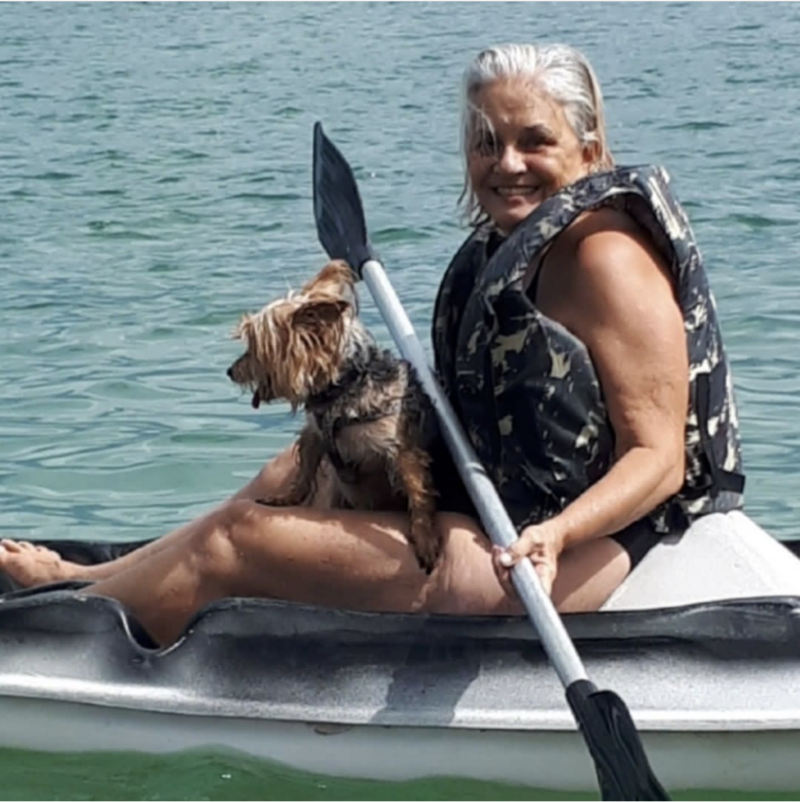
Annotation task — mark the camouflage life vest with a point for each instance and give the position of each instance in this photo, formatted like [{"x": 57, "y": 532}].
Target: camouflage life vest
[{"x": 525, "y": 388}]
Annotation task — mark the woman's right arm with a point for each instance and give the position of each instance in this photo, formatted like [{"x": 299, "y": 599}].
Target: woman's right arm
[
  {"x": 273, "y": 479},
  {"x": 276, "y": 477}
]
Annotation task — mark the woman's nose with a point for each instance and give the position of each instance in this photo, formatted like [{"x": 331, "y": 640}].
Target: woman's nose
[{"x": 511, "y": 160}]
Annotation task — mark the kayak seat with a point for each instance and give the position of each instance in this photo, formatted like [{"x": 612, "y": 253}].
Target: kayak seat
[{"x": 721, "y": 556}]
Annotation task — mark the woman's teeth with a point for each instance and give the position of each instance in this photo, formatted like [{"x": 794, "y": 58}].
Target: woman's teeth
[{"x": 508, "y": 191}]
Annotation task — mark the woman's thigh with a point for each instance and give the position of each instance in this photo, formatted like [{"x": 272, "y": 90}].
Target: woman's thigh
[
  {"x": 587, "y": 575},
  {"x": 363, "y": 561},
  {"x": 342, "y": 558}
]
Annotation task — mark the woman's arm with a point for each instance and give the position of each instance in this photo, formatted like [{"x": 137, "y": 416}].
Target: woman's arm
[
  {"x": 274, "y": 479},
  {"x": 607, "y": 285}
]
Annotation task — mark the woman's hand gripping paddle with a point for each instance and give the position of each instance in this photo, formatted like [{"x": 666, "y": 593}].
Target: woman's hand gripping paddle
[{"x": 603, "y": 719}]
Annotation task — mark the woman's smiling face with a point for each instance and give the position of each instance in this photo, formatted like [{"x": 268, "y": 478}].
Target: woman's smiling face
[{"x": 522, "y": 150}]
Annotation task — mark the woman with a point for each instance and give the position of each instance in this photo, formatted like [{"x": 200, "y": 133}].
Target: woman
[{"x": 572, "y": 332}]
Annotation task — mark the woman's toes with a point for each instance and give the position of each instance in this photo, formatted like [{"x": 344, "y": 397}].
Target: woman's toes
[{"x": 30, "y": 564}]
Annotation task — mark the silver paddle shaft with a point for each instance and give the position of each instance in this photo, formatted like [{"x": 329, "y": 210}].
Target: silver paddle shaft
[{"x": 493, "y": 515}]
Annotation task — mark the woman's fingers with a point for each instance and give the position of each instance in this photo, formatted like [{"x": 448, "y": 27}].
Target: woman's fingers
[
  {"x": 547, "y": 574},
  {"x": 500, "y": 568},
  {"x": 545, "y": 566},
  {"x": 536, "y": 544},
  {"x": 524, "y": 546}
]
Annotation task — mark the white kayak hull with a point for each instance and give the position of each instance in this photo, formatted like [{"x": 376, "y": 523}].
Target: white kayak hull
[
  {"x": 712, "y": 681},
  {"x": 739, "y": 761}
]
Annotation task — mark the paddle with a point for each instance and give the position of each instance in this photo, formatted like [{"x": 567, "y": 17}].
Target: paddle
[{"x": 604, "y": 720}]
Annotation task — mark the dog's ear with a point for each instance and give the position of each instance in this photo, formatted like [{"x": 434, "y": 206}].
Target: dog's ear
[
  {"x": 336, "y": 273},
  {"x": 336, "y": 279},
  {"x": 319, "y": 311},
  {"x": 244, "y": 329}
]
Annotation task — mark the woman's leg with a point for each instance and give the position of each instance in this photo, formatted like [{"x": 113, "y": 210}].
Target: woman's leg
[
  {"x": 341, "y": 558},
  {"x": 30, "y": 565},
  {"x": 345, "y": 559},
  {"x": 587, "y": 575}
]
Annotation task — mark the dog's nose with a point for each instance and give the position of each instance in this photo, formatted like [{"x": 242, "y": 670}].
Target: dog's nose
[{"x": 230, "y": 373}]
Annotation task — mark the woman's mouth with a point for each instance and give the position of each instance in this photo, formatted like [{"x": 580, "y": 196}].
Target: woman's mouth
[{"x": 511, "y": 192}]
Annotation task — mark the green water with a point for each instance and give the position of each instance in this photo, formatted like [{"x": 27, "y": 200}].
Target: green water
[
  {"x": 154, "y": 184},
  {"x": 215, "y": 775}
]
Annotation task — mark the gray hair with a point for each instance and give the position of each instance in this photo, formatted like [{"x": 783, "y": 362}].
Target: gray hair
[{"x": 561, "y": 71}]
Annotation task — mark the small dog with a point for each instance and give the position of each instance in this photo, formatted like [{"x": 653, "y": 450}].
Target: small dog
[{"x": 366, "y": 412}]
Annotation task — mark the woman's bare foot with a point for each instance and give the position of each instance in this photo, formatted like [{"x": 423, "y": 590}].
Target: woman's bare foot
[{"x": 30, "y": 565}]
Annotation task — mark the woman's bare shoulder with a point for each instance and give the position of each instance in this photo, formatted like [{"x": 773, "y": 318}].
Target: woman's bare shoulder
[
  {"x": 600, "y": 266},
  {"x": 614, "y": 223},
  {"x": 610, "y": 241}
]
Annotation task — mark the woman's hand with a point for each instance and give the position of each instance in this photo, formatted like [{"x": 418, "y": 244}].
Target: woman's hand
[{"x": 542, "y": 544}]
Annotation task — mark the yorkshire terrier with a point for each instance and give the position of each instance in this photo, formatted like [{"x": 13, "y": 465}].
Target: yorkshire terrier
[{"x": 366, "y": 412}]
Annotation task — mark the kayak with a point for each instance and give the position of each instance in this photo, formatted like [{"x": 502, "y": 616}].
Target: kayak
[{"x": 702, "y": 641}]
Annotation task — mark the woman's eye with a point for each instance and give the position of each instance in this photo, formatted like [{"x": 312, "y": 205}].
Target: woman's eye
[
  {"x": 485, "y": 144},
  {"x": 530, "y": 144},
  {"x": 535, "y": 140}
]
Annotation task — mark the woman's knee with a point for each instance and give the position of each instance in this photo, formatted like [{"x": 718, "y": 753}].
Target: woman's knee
[
  {"x": 588, "y": 574},
  {"x": 219, "y": 548}
]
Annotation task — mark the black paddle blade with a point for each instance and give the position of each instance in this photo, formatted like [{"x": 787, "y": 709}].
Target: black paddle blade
[
  {"x": 623, "y": 770},
  {"x": 341, "y": 227}
]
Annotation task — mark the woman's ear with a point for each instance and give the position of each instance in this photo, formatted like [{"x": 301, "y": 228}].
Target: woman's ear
[{"x": 592, "y": 155}]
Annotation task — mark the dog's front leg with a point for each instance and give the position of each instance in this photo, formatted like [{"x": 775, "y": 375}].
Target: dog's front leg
[
  {"x": 413, "y": 470},
  {"x": 310, "y": 451}
]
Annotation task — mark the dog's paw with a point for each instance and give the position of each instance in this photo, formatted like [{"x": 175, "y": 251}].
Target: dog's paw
[
  {"x": 295, "y": 498},
  {"x": 275, "y": 501},
  {"x": 427, "y": 554}
]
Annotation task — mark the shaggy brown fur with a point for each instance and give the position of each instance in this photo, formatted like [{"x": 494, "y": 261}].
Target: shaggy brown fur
[{"x": 366, "y": 413}]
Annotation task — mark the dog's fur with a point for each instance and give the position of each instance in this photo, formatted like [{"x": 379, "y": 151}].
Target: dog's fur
[{"x": 366, "y": 413}]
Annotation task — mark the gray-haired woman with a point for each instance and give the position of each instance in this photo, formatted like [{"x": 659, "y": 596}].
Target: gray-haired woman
[{"x": 576, "y": 336}]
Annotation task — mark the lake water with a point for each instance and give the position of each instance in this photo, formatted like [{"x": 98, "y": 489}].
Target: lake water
[{"x": 155, "y": 184}]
